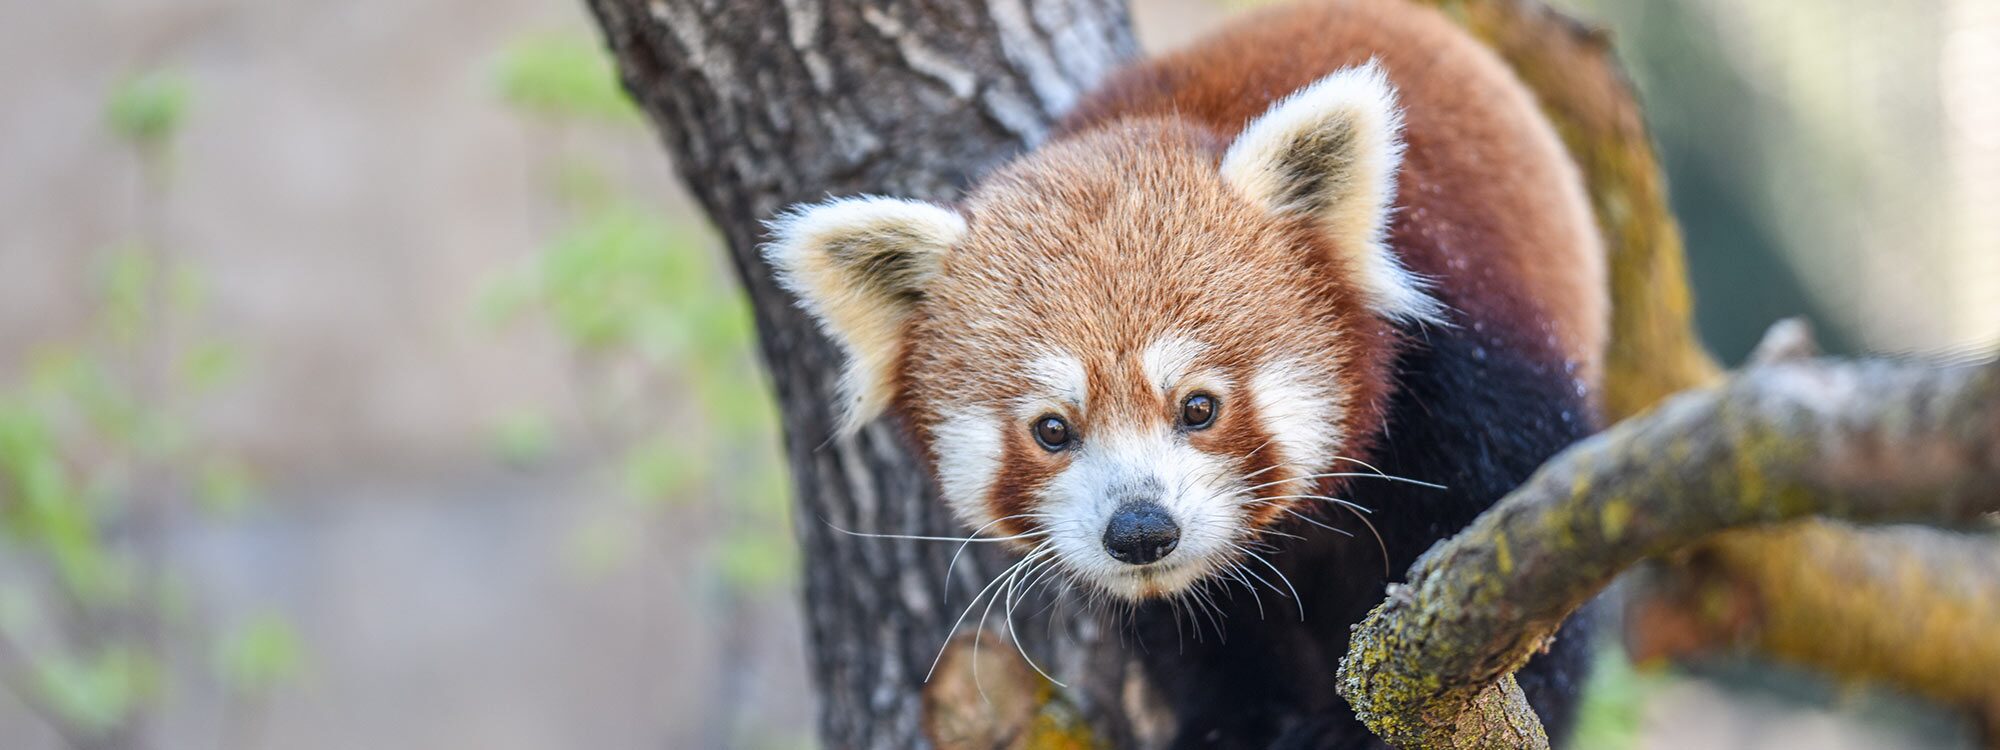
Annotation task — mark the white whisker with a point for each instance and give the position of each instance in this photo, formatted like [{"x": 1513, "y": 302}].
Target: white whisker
[
  {"x": 1010, "y": 574},
  {"x": 1014, "y": 633},
  {"x": 1038, "y": 550},
  {"x": 1348, "y": 503},
  {"x": 1331, "y": 475},
  {"x": 919, "y": 538},
  {"x": 953, "y": 566},
  {"x": 1281, "y": 576},
  {"x": 1235, "y": 571},
  {"x": 1315, "y": 522},
  {"x": 1261, "y": 579},
  {"x": 1358, "y": 511}
]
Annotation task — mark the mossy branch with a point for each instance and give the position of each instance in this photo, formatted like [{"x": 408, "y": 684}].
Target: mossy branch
[
  {"x": 1865, "y": 442},
  {"x": 1910, "y": 606}
]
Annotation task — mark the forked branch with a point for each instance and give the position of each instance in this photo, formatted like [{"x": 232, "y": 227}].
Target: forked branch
[{"x": 1867, "y": 442}]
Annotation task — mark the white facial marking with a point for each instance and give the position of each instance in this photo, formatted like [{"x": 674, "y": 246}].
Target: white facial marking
[
  {"x": 1057, "y": 378},
  {"x": 1168, "y": 359},
  {"x": 1301, "y": 415},
  {"x": 1197, "y": 489},
  {"x": 967, "y": 442}
]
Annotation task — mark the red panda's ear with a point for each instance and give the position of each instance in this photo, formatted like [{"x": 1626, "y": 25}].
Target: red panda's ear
[
  {"x": 858, "y": 265},
  {"x": 1331, "y": 151}
]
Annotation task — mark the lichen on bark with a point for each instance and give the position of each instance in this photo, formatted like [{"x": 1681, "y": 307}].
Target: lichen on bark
[{"x": 1869, "y": 442}]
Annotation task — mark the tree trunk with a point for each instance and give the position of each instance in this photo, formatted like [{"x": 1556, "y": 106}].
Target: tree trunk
[{"x": 764, "y": 103}]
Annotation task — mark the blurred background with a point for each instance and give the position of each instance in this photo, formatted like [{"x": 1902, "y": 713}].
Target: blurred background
[{"x": 367, "y": 381}]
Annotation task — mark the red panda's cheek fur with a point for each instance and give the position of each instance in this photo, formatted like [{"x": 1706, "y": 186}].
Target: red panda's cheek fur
[
  {"x": 1241, "y": 437},
  {"x": 1095, "y": 249},
  {"x": 1009, "y": 504},
  {"x": 1025, "y": 472}
]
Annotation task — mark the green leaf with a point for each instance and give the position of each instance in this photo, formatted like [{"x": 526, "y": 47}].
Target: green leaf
[
  {"x": 187, "y": 290},
  {"x": 211, "y": 364},
  {"x": 1613, "y": 709},
  {"x": 507, "y": 295},
  {"x": 738, "y": 404},
  {"x": 101, "y": 692},
  {"x": 50, "y": 510},
  {"x": 147, "y": 109},
  {"x": 223, "y": 485},
  {"x": 127, "y": 280},
  {"x": 767, "y": 490},
  {"x": 661, "y": 469},
  {"x": 262, "y": 653},
  {"x": 757, "y": 558},
  {"x": 563, "y": 75},
  {"x": 523, "y": 438},
  {"x": 614, "y": 273}
]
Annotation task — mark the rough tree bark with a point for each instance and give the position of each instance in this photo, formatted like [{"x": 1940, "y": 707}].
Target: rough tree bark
[{"x": 763, "y": 103}]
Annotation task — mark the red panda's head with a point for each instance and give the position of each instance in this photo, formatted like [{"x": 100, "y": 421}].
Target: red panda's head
[{"x": 1139, "y": 345}]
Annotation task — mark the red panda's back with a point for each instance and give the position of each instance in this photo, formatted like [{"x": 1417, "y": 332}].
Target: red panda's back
[{"x": 1489, "y": 203}]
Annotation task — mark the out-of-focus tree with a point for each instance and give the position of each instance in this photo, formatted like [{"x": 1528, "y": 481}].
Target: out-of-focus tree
[
  {"x": 670, "y": 410},
  {"x": 99, "y": 463},
  {"x": 1829, "y": 158}
]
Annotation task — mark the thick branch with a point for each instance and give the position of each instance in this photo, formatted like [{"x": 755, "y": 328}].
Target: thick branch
[
  {"x": 1909, "y": 606},
  {"x": 1871, "y": 442}
]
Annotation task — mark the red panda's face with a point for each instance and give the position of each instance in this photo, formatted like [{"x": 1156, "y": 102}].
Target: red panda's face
[
  {"x": 1135, "y": 350},
  {"x": 1129, "y": 362}
]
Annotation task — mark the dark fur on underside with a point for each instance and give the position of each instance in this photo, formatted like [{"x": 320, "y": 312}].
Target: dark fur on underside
[{"x": 1472, "y": 415}]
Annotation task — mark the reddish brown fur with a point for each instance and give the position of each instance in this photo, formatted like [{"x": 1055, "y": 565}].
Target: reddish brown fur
[
  {"x": 1107, "y": 272},
  {"x": 1480, "y": 200},
  {"x": 1122, "y": 229},
  {"x": 1070, "y": 251}
]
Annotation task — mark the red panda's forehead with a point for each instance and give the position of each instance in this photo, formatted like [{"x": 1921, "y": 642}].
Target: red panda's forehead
[
  {"x": 1089, "y": 253},
  {"x": 1133, "y": 225}
]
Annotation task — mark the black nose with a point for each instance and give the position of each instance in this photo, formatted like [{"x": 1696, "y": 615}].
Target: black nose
[{"x": 1141, "y": 532}]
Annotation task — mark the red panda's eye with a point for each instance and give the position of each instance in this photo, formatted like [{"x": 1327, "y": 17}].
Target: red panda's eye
[
  {"x": 1052, "y": 432},
  {"x": 1198, "y": 411}
]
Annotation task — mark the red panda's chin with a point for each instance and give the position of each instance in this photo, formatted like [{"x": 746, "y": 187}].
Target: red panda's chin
[{"x": 1157, "y": 581}]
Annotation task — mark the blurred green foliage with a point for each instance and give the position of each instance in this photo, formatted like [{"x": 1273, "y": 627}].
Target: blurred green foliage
[
  {"x": 523, "y": 437},
  {"x": 146, "y": 110},
  {"x": 99, "y": 692},
  {"x": 99, "y": 455},
  {"x": 261, "y": 654},
  {"x": 674, "y": 409},
  {"x": 562, "y": 76},
  {"x": 1613, "y": 712}
]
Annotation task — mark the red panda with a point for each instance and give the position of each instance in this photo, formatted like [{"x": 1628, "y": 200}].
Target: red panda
[{"x": 1242, "y": 284}]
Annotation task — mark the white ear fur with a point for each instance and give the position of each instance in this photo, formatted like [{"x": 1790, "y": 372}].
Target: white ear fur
[
  {"x": 1331, "y": 150},
  {"x": 858, "y": 265}
]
